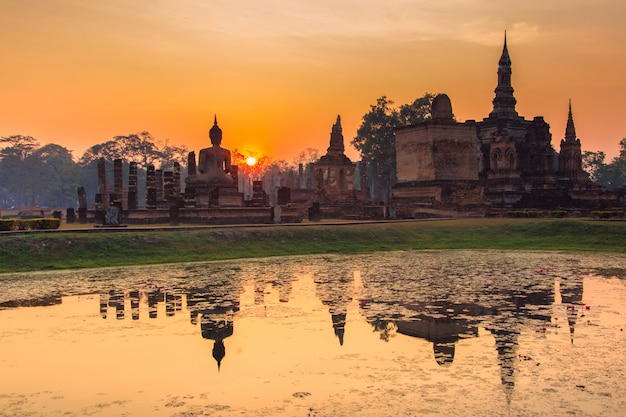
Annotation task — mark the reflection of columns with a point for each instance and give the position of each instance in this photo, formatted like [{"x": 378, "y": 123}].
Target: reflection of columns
[
  {"x": 104, "y": 304},
  {"x": 134, "y": 304},
  {"x": 116, "y": 299},
  {"x": 172, "y": 303},
  {"x": 153, "y": 301},
  {"x": 259, "y": 291}
]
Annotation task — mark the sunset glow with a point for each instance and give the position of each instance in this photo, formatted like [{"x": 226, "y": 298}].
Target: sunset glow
[
  {"x": 251, "y": 161},
  {"x": 79, "y": 72}
]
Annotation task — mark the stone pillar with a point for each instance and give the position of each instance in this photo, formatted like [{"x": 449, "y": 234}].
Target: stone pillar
[
  {"x": 259, "y": 198},
  {"x": 190, "y": 196},
  {"x": 174, "y": 215},
  {"x": 191, "y": 164},
  {"x": 70, "y": 215},
  {"x": 300, "y": 175},
  {"x": 284, "y": 196},
  {"x": 168, "y": 186},
  {"x": 102, "y": 181},
  {"x": 159, "y": 185},
  {"x": 234, "y": 173},
  {"x": 118, "y": 186},
  {"x": 151, "y": 196},
  {"x": 176, "y": 180},
  {"x": 99, "y": 209},
  {"x": 132, "y": 186},
  {"x": 82, "y": 205}
]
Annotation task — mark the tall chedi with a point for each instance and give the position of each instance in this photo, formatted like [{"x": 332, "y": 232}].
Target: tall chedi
[
  {"x": 570, "y": 156},
  {"x": 504, "y": 101}
]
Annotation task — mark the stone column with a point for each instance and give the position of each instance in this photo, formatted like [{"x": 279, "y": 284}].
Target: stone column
[
  {"x": 118, "y": 186},
  {"x": 191, "y": 164},
  {"x": 168, "y": 185},
  {"x": 102, "y": 182},
  {"x": 132, "y": 186},
  {"x": 82, "y": 205},
  {"x": 176, "y": 180},
  {"x": 151, "y": 196},
  {"x": 159, "y": 185}
]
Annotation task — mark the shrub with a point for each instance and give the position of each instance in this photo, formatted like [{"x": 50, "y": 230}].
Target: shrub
[
  {"x": 7, "y": 224},
  {"x": 22, "y": 224},
  {"x": 607, "y": 214},
  {"x": 45, "y": 224},
  {"x": 559, "y": 214}
]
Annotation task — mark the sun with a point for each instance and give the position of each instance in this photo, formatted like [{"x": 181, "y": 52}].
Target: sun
[{"x": 251, "y": 161}]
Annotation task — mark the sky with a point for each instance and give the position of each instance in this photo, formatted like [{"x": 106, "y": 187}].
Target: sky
[{"x": 278, "y": 72}]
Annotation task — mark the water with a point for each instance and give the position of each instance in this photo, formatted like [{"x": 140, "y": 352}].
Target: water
[{"x": 411, "y": 333}]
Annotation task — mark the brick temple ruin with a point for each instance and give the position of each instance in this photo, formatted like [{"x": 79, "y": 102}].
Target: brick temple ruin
[
  {"x": 443, "y": 168},
  {"x": 501, "y": 163}
]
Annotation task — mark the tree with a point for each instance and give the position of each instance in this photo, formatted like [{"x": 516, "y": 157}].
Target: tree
[
  {"x": 56, "y": 176},
  {"x": 46, "y": 176},
  {"x": 376, "y": 139},
  {"x": 137, "y": 147},
  {"x": 611, "y": 175},
  {"x": 307, "y": 156},
  {"x": 15, "y": 174}
]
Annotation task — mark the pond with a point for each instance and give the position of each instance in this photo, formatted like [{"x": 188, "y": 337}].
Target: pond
[{"x": 407, "y": 333}]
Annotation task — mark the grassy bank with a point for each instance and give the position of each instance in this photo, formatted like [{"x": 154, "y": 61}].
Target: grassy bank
[{"x": 78, "y": 249}]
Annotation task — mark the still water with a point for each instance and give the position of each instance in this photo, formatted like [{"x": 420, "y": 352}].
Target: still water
[{"x": 409, "y": 333}]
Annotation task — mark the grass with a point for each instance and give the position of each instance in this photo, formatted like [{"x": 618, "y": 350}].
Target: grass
[{"x": 70, "y": 249}]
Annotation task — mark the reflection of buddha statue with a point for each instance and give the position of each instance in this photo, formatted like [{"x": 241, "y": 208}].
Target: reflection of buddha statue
[{"x": 214, "y": 163}]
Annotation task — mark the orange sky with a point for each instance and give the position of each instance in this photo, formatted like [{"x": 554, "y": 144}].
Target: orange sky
[{"x": 277, "y": 72}]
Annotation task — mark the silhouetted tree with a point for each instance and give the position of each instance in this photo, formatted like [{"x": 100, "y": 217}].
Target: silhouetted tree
[
  {"x": 376, "y": 139},
  {"x": 611, "y": 175},
  {"x": 56, "y": 176},
  {"x": 137, "y": 147},
  {"x": 31, "y": 175}
]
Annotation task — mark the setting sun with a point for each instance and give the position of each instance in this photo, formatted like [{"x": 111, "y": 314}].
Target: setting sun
[{"x": 251, "y": 161}]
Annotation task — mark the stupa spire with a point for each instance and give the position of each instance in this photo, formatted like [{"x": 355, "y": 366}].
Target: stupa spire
[
  {"x": 570, "y": 130},
  {"x": 504, "y": 102}
]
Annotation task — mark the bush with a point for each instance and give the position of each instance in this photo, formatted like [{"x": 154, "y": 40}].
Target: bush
[
  {"x": 7, "y": 224},
  {"x": 22, "y": 224},
  {"x": 527, "y": 213},
  {"x": 608, "y": 214},
  {"x": 558, "y": 214},
  {"x": 45, "y": 224}
]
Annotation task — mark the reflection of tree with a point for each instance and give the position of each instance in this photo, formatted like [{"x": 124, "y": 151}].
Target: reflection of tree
[{"x": 386, "y": 329}]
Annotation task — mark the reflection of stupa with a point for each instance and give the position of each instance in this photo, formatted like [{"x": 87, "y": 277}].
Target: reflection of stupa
[
  {"x": 334, "y": 288},
  {"x": 442, "y": 325},
  {"x": 571, "y": 297},
  {"x": 214, "y": 308},
  {"x": 217, "y": 326},
  {"x": 506, "y": 345}
]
